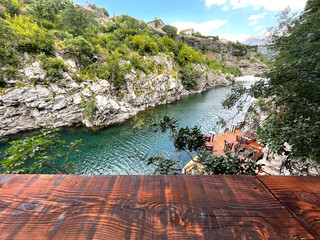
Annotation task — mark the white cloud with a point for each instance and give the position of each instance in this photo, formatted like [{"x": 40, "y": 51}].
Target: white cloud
[
  {"x": 205, "y": 28},
  {"x": 253, "y": 23},
  {"x": 209, "y": 3},
  {"x": 258, "y": 28},
  {"x": 225, "y": 8},
  {"x": 255, "y": 17},
  {"x": 271, "y": 5},
  {"x": 234, "y": 37}
]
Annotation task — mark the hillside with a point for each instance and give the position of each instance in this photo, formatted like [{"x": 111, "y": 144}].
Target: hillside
[{"x": 64, "y": 64}]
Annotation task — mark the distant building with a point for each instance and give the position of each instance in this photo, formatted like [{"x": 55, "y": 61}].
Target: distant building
[
  {"x": 157, "y": 23},
  {"x": 188, "y": 32},
  {"x": 223, "y": 40}
]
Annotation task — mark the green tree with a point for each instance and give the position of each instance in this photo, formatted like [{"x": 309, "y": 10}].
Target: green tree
[
  {"x": 12, "y": 7},
  {"x": 75, "y": 21},
  {"x": 189, "y": 77},
  {"x": 81, "y": 49},
  {"x": 170, "y": 30},
  {"x": 293, "y": 87},
  {"x": 42, "y": 153},
  {"x": 47, "y": 9}
]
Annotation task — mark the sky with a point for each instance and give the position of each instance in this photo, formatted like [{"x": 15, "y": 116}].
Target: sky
[{"x": 230, "y": 19}]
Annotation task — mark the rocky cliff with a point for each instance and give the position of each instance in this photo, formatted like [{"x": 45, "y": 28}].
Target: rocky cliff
[{"x": 93, "y": 103}]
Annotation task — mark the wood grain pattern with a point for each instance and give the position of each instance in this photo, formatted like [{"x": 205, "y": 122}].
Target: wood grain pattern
[
  {"x": 142, "y": 207},
  {"x": 301, "y": 196}
]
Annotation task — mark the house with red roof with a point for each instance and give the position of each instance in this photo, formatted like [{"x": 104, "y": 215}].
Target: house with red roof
[{"x": 188, "y": 31}]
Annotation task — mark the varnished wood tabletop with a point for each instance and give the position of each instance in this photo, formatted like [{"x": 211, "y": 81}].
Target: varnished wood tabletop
[{"x": 159, "y": 207}]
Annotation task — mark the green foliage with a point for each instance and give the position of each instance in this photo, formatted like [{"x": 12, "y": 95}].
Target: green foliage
[
  {"x": 164, "y": 166},
  {"x": 227, "y": 165},
  {"x": 189, "y": 77},
  {"x": 188, "y": 55},
  {"x": 39, "y": 154},
  {"x": 238, "y": 46},
  {"x": 8, "y": 43},
  {"x": 169, "y": 45},
  {"x": 90, "y": 108},
  {"x": 81, "y": 49},
  {"x": 170, "y": 30},
  {"x": 47, "y": 9},
  {"x": 75, "y": 21},
  {"x": 30, "y": 37},
  {"x": 54, "y": 67},
  {"x": 184, "y": 139},
  {"x": 12, "y": 7}
]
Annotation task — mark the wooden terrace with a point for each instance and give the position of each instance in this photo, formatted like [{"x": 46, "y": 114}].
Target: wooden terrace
[
  {"x": 159, "y": 207},
  {"x": 221, "y": 140}
]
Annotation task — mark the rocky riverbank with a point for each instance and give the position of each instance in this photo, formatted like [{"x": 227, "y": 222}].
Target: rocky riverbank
[{"x": 93, "y": 103}]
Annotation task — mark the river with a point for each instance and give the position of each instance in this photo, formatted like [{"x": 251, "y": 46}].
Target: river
[{"x": 107, "y": 151}]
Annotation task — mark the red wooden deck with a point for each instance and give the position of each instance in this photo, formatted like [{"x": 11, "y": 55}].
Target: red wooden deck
[
  {"x": 219, "y": 142},
  {"x": 159, "y": 207}
]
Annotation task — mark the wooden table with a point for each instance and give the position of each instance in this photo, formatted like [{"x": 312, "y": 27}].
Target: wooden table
[{"x": 159, "y": 207}]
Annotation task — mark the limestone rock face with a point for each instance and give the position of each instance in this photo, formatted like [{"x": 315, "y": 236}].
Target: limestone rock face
[{"x": 62, "y": 103}]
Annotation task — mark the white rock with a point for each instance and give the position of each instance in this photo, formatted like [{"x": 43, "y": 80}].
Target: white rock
[
  {"x": 43, "y": 91},
  {"x": 77, "y": 98},
  {"x": 102, "y": 102},
  {"x": 96, "y": 88},
  {"x": 86, "y": 92},
  {"x": 71, "y": 63},
  {"x": 34, "y": 71},
  {"x": 104, "y": 83}
]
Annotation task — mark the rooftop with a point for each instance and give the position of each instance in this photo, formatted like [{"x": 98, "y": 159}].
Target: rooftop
[{"x": 153, "y": 207}]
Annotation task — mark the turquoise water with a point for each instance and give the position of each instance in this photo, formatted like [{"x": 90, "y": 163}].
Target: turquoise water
[{"x": 107, "y": 151}]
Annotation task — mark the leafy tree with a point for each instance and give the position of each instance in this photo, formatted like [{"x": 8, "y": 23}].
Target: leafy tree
[
  {"x": 170, "y": 30},
  {"x": 227, "y": 165},
  {"x": 47, "y": 9},
  {"x": 12, "y": 7},
  {"x": 293, "y": 87},
  {"x": 54, "y": 67},
  {"x": 81, "y": 49},
  {"x": 188, "y": 55},
  {"x": 30, "y": 36},
  {"x": 189, "y": 77},
  {"x": 75, "y": 21},
  {"x": 39, "y": 154}
]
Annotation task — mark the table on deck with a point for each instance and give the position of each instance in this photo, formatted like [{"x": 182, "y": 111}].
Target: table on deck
[{"x": 159, "y": 207}]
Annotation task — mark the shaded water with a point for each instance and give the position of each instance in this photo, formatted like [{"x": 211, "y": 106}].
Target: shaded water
[{"x": 107, "y": 151}]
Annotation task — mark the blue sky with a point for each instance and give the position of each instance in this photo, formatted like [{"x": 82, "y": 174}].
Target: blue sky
[{"x": 230, "y": 19}]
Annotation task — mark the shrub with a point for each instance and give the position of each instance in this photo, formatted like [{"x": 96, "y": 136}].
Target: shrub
[
  {"x": 81, "y": 49},
  {"x": 31, "y": 37},
  {"x": 54, "y": 67},
  {"x": 170, "y": 30},
  {"x": 46, "y": 9},
  {"x": 189, "y": 77},
  {"x": 75, "y": 21},
  {"x": 139, "y": 43},
  {"x": 12, "y": 7},
  {"x": 153, "y": 48},
  {"x": 188, "y": 55},
  {"x": 89, "y": 108}
]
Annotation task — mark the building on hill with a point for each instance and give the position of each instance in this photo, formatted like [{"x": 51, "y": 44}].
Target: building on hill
[
  {"x": 188, "y": 32},
  {"x": 157, "y": 23}
]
